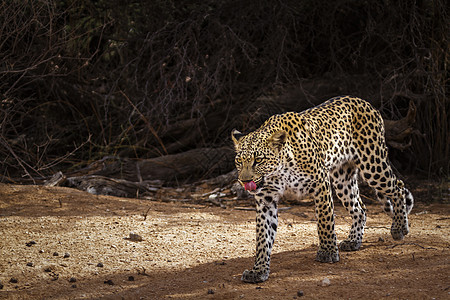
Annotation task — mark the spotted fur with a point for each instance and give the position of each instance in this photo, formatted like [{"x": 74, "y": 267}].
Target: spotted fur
[{"x": 310, "y": 152}]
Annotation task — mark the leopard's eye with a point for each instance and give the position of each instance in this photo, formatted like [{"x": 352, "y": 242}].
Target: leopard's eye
[
  {"x": 238, "y": 160},
  {"x": 258, "y": 160}
]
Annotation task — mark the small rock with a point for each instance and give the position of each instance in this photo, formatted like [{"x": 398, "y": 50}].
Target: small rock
[
  {"x": 72, "y": 279},
  {"x": 30, "y": 264},
  {"x": 325, "y": 282},
  {"x": 130, "y": 278},
  {"x": 210, "y": 291},
  {"x": 109, "y": 281},
  {"x": 54, "y": 276},
  {"x": 55, "y": 254},
  {"x": 100, "y": 265},
  {"x": 30, "y": 243},
  {"x": 134, "y": 237},
  {"x": 13, "y": 280},
  {"x": 213, "y": 196},
  {"x": 66, "y": 255},
  {"x": 300, "y": 293},
  {"x": 41, "y": 251}
]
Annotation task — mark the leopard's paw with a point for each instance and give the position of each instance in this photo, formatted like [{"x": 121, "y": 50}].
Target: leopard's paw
[
  {"x": 399, "y": 233},
  {"x": 348, "y": 245},
  {"x": 254, "y": 276},
  {"x": 327, "y": 256}
]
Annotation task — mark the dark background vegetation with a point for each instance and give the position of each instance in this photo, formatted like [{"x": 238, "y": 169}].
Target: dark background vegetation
[{"x": 81, "y": 80}]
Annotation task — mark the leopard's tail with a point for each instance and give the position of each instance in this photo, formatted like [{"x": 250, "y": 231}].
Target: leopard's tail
[{"x": 409, "y": 201}]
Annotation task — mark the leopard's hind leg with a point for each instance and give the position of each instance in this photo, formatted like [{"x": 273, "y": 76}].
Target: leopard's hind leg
[
  {"x": 345, "y": 183},
  {"x": 398, "y": 200}
]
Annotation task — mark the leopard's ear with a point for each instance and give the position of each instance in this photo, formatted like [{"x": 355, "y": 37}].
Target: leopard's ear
[
  {"x": 278, "y": 139},
  {"x": 236, "y": 136}
]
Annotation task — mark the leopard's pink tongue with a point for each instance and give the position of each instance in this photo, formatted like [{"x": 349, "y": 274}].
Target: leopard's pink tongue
[{"x": 250, "y": 186}]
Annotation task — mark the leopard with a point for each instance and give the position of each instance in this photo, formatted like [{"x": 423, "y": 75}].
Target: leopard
[{"x": 319, "y": 153}]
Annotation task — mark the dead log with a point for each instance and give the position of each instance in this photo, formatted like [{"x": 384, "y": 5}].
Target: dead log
[
  {"x": 100, "y": 185},
  {"x": 399, "y": 132},
  {"x": 188, "y": 166},
  {"x": 144, "y": 178},
  {"x": 220, "y": 181}
]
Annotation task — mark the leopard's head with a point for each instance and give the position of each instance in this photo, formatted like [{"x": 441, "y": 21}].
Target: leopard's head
[{"x": 257, "y": 155}]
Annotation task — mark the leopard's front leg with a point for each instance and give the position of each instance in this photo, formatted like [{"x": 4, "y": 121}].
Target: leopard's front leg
[{"x": 266, "y": 229}]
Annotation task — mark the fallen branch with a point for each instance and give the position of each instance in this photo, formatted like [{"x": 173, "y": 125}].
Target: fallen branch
[
  {"x": 414, "y": 244},
  {"x": 244, "y": 208}
]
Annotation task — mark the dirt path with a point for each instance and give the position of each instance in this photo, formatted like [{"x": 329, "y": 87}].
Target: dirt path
[{"x": 194, "y": 251}]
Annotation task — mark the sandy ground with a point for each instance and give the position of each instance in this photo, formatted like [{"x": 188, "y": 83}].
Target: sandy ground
[{"x": 60, "y": 243}]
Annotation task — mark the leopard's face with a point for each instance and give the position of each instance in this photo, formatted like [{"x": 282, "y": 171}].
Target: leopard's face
[
  {"x": 253, "y": 165},
  {"x": 257, "y": 156}
]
